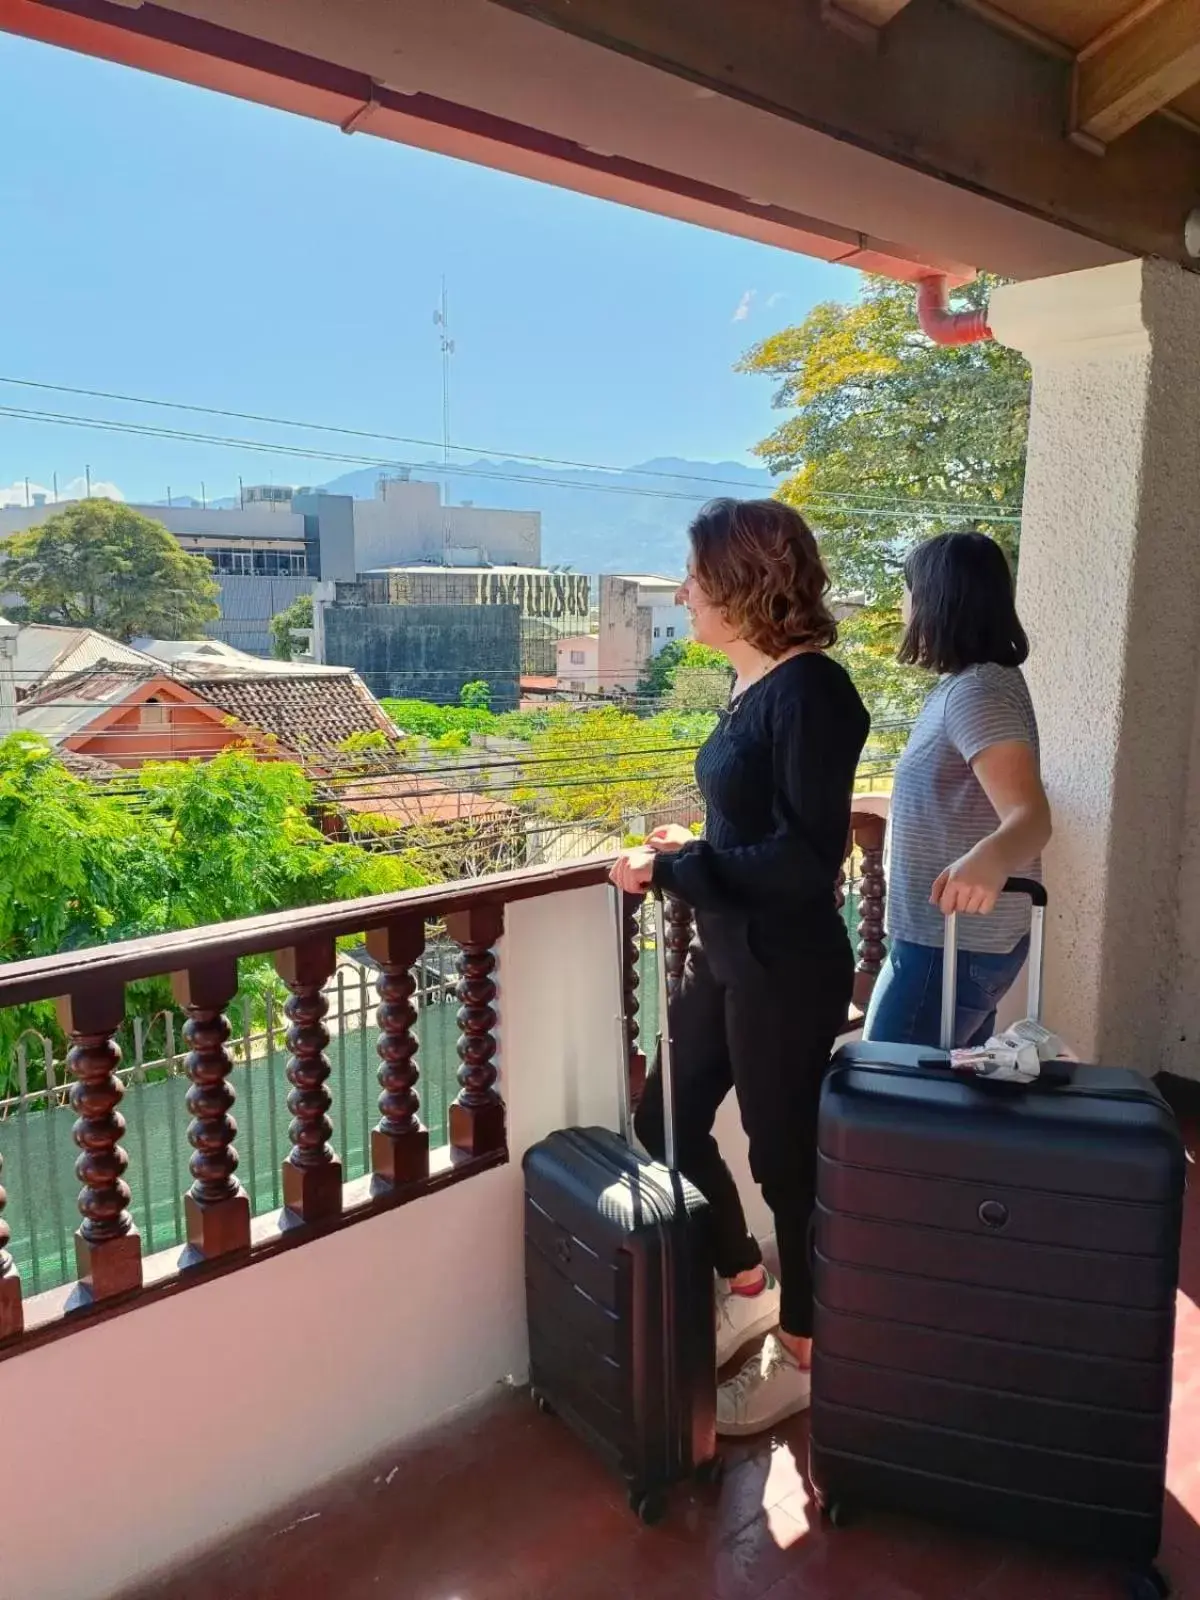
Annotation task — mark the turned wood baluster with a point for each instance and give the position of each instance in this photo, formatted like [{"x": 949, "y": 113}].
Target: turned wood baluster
[
  {"x": 680, "y": 928},
  {"x": 108, "y": 1249},
  {"x": 477, "y": 1115},
  {"x": 12, "y": 1319},
  {"x": 869, "y": 832},
  {"x": 217, "y": 1207},
  {"x": 631, "y": 908},
  {"x": 312, "y": 1173},
  {"x": 400, "y": 1144}
]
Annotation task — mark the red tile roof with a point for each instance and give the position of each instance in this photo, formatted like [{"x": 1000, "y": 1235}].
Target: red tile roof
[
  {"x": 308, "y": 712},
  {"x": 409, "y": 800}
]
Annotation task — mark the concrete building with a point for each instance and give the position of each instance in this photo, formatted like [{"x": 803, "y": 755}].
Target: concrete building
[
  {"x": 406, "y": 521},
  {"x": 638, "y": 618},
  {"x": 550, "y": 604},
  {"x": 280, "y": 542},
  {"x": 578, "y": 665},
  {"x": 422, "y": 651}
]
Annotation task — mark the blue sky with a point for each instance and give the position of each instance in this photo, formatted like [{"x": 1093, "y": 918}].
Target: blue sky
[{"x": 164, "y": 241}]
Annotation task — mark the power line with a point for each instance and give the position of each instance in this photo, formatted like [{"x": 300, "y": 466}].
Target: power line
[
  {"x": 296, "y": 452},
  {"x": 396, "y": 438}
]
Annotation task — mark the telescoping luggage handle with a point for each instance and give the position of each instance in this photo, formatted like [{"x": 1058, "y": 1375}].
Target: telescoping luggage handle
[
  {"x": 666, "y": 1065},
  {"x": 1037, "y": 952}
]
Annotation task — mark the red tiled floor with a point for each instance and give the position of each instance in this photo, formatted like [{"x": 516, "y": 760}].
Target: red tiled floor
[{"x": 506, "y": 1505}]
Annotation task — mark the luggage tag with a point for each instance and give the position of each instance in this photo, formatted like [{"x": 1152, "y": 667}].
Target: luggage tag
[
  {"x": 998, "y": 1062},
  {"x": 1024, "y": 1055}
]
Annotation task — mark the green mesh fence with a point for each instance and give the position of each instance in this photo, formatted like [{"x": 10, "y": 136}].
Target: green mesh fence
[{"x": 39, "y": 1152}]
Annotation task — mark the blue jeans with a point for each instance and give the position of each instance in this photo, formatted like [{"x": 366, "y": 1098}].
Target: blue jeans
[{"x": 906, "y": 1003}]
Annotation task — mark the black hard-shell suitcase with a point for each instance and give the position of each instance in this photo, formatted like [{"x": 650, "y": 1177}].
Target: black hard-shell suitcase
[
  {"x": 619, "y": 1292},
  {"x": 995, "y": 1276}
]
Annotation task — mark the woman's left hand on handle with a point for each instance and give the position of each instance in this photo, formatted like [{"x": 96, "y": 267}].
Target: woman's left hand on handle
[{"x": 972, "y": 884}]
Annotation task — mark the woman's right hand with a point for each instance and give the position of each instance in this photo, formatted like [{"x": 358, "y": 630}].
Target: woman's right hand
[
  {"x": 670, "y": 837},
  {"x": 633, "y": 870}
]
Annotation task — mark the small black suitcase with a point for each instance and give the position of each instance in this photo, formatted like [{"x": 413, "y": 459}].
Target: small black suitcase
[
  {"x": 995, "y": 1276},
  {"x": 619, "y": 1291}
]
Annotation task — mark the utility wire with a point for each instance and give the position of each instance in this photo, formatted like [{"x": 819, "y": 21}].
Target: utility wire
[
  {"x": 899, "y": 510},
  {"x": 397, "y": 438}
]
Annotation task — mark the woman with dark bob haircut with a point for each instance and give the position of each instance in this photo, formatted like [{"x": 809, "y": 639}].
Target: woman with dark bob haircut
[
  {"x": 968, "y": 808},
  {"x": 767, "y": 982}
]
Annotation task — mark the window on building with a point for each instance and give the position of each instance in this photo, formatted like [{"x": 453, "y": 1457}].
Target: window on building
[
  {"x": 237, "y": 562},
  {"x": 155, "y": 714},
  {"x": 577, "y": 658},
  {"x": 577, "y": 687},
  {"x": 670, "y": 633},
  {"x": 657, "y": 631},
  {"x": 262, "y": 563}
]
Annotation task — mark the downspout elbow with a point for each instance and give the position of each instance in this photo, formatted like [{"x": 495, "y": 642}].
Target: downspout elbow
[{"x": 942, "y": 325}]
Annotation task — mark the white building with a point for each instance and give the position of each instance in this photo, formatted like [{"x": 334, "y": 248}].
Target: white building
[
  {"x": 280, "y": 542},
  {"x": 406, "y": 521}
]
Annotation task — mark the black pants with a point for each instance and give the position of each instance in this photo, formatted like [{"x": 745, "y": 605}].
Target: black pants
[{"x": 767, "y": 1032}]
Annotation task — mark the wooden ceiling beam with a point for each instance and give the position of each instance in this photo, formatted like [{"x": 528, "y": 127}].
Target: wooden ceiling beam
[
  {"x": 861, "y": 18},
  {"x": 950, "y": 95},
  {"x": 1134, "y": 69}
]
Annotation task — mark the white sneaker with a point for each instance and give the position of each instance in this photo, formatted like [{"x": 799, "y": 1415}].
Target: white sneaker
[
  {"x": 768, "y": 1389},
  {"x": 744, "y": 1317}
]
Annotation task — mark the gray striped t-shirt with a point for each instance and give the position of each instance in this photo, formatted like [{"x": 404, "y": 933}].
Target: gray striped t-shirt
[{"x": 939, "y": 810}]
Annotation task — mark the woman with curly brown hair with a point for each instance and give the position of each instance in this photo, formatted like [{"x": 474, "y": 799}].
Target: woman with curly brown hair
[{"x": 767, "y": 982}]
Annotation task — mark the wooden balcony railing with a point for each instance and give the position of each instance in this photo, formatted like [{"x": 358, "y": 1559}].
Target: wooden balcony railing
[
  {"x": 219, "y": 1231},
  {"x": 89, "y": 987}
]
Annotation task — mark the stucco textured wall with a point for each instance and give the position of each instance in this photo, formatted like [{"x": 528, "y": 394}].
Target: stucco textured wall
[{"x": 1110, "y": 593}]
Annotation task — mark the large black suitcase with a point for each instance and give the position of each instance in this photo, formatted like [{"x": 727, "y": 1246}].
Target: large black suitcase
[
  {"x": 619, "y": 1292},
  {"x": 995, "y": 1276}
]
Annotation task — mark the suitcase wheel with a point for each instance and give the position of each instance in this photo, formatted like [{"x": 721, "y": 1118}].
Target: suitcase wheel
[
  {"x": 648, "y": 1505},
  {"x": 838, "y": 1515},
  {"x": 711, "y": 1473},
  {"x": 1149, "y": 1585}
]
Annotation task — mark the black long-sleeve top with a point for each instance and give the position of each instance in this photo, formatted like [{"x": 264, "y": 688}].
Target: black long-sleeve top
[{"x": 777, "y": 774}]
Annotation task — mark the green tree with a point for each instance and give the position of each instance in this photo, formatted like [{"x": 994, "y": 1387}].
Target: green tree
[
  {"x": 243, "y": 840},
  {"x": 675, "y": 656},
  {"x": 76, "y": 866},
  {"x": 603, "y": 765},
  {"x": 423, "y": 720},
  {"x": 889, "y": 439},
  {"x": 100, "y": 564},
  {"x": 175, "y": 845},
  {"x": 298, "y": 615},
  {"x": 476, "y": 696}
]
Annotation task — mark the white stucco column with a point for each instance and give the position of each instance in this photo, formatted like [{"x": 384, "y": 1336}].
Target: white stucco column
[{"x": 1109, "y": 590}]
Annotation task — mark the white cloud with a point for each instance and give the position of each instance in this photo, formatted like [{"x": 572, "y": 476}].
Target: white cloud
[
  {"x": 743, "y": 306},
  {"x": 16, "y": 494},
  {"x": 774, "y": 299}
]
